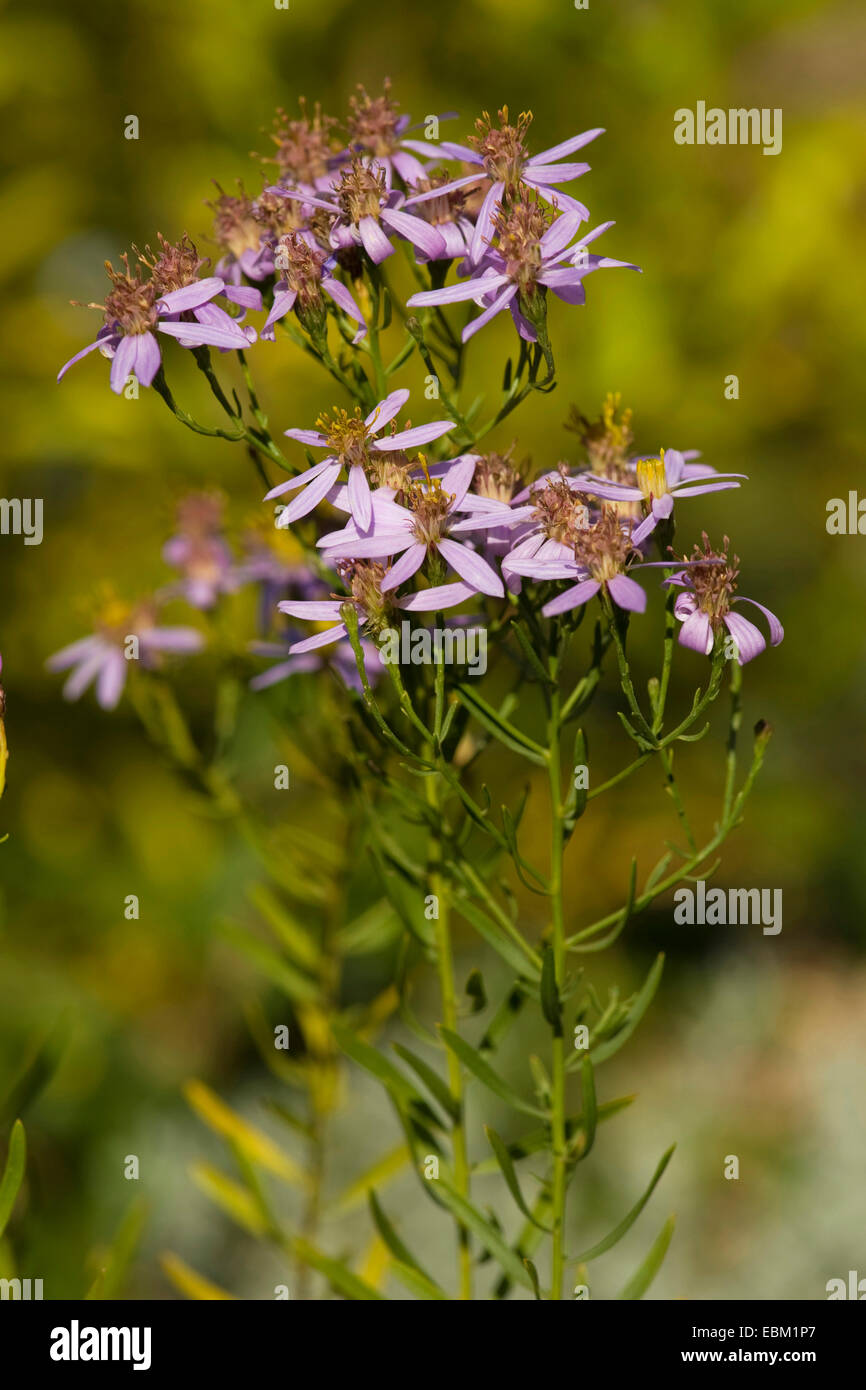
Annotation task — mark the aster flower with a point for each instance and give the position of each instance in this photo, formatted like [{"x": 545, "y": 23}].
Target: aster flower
[
  {"x": 705, "y": 604},
  {"x": 427, "y": 525},
  {"x": 658, "y": 482},
  {"x": 349, "y": 440},
  {"x": 601, "y": 554},
  {"x": 361, "y": 205},
  {"x": 298, "y": 664},
  {"x": 200, "y": 552},
  {"x": 501, "y": 155},
  {"x": 531, "y": 256},
  {"x": 135, "y": 309},
  {"x": 101, "y": 657},
  {"x": 550, "y": 514},
  {"x": 375, "y": 607},
  {"x": 306, "y": 151},
  {"x": 444, "y": 209},
  {"x": 307, "y": 271},
  {"x": 376, "y": 129}
]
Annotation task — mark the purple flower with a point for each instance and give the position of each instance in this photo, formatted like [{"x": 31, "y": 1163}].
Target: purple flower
[
  {"x": 363, "y": 580},
  {"x": 361, "y": 204},
  {"x": 529, "y": 258},
  {"x": 102, "y": 657},
  {"x": 307, "y": 272},
  {"x": 377, "y": 130},
  {"x": 136, "y": 309},
  {"x": 501, "y": 155},
  {"x": 658, "y": 482},
  {"x": 426, "y": 526},
  {"x": 600, "y": 556},
  {"x": 349, "y": 440},
  {"x": 704, "y": 607},
  {"x": 200, "y": 552},
  {"x": 287, "y": 665}
]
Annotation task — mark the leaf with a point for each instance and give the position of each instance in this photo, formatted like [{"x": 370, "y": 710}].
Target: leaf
[
  {"x": 190, "y": 1283},
  {"x": 643, "y": 1277},
  {"x": 406, "y": 1267},
  {"x": 533, "y": 1274},
  {"x": 475, "y": 1063},
  {"x": 373, "y": 930},
  {"x": 538, "y": 1139},
  {"x": 236, "y": 1201},
  {"x": 550, "y": 1005},
  {"x": 382, "y": 1171},
  {"x": 494, "y": 723},
  {"x": 590, "y": 1105},
  {"x": 376, "y": 1063},
  {"x": 628, "y": 1221},
  {"x": 36, "y": 1074},
  {"x": 298, "y": 987},
  {"x": 486, "y": 1233},
  {"x": 432, "y": 1080},
  {"x": 503, "y": 1158},
  {"x": 641, "y": 1003},
  {"x": 418, "y": 1283},
  {"x": 257, "y": 1147},
  {"x": 109, "y": 1281},
  {"x": 13, "y": 1173},
  {"x": 337, "y": 1275},
  {"x": 296, "y": 941},
  {"x": 577, "y": 798},
  {"x": 494, "y": 935}
]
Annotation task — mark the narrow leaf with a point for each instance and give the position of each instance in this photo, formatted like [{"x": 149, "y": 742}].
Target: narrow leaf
[
  {"x": 641, "y": 1280},
  {"x": 489, "y": 1237},
  {"x": 503, "y": 1158},
  {"x": 475, "y": 1063},
  {"x": 13, "y": 1173},
  {"x": 628, "y": 1221}
]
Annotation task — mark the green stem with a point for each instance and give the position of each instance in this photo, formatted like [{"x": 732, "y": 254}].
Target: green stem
[{"x": 557, "y": 846}]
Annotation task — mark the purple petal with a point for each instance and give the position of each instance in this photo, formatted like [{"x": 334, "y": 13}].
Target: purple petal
[
  {"x": 374, "y": 546},
  {"x": 697, "y": 633},
  {"x": 627, "y": 593},
  {"x": 100, "y": 342},
  {"x": 146, "y": 362},
  {"x": 300, "y": 480},
  {"x": 471, "y": 567},
  {"x": 283, "y": 303},
  {"x": 553, "y": 173},
  {"x": 74, "y": 653},
  {"x": 559, "y": 234},
  {"x": 483, "y": 233},
  {"x": 440, "y": 596},
  {"x": 310, "y": 497},
  {"x": 409, "y": 563},
  {"x": 316, "y": 610},
  {"x": 245, "y": 295},
  {"x": 343, "y": 298},
  {"x": 122, "y": 363},
  {"x": 320, "y": 639},
  {"x": 572, "y": 598},
  {"x": 456, "y": 479},
  {"x": 444, "y": 188},
  {"x": 777, "y": 632},
  {"x": 199, "y": 334},
  {"x": 408, "y": 167},
  {"x": 313, "y": 437},
  {"x": 383, "y": 413},
  {"x": 190, "y": 296},
  {"x": 474, "y": 288},
  {"x": 171, "y": 639},
  {"x": 413, "y": 229},
  {"x": 419, "y": 434},
  {"x": 749, "y": 639},
  {"x": 374, "y": 240},
  {"x": 566, "y": 147},
  {"x": 359, "y": 497},
  {"x": 111, "y": 680},
  {"x": 498, "y": 304}
]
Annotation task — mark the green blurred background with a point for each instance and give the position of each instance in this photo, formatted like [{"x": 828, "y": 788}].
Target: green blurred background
[{"x": 753, "y": 266}]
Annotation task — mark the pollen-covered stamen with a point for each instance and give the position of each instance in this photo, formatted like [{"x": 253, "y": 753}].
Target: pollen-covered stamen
[
  {"x": 651, "y": 477},
  {"x": 714, "y": 581},
  {"x": 373, "y": 122},
  {"x": 502, "y": 147},
  {"x": 235, "y": 227},
  {"x": 175, "y": 266},
  {"x": 131, "y": 301},
  {"x": 560, "y": 513},
  {"x": 519, "y": 229},
  {"x": 305, "y": 146},
  {"x": 604, "y": 548},
  {"x": 607, "y": 440},
  {"x": 360, "y": 191},
  {"x": 275, "y": 214},
  {"x": 363, "y": 580},
  {"x": 429, "y": 505},
  {"x": 390, "y": 469},
  {"x": 347, "y": 435},
  {"x": 301, "y": 266},
  {"x": 496, "y": 477}
]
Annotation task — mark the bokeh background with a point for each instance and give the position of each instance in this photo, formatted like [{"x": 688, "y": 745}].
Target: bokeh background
[{"x": 752, "y": 265}]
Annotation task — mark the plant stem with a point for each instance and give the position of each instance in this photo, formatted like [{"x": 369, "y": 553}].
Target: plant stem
[
  {"x": 445, "y": 966},
  {"x": 558, "y": 1080}
]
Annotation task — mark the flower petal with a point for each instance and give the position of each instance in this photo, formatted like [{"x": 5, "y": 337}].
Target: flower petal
[
  {"x": 627, "y": 593},
  {"x": 471, "y": 567},
  {"x": 572, "y": 598},
  {"x": 409, "y": 563},
  {"x": 749, "y": 639}
]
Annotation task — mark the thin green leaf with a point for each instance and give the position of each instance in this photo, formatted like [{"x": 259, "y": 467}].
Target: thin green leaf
[
  {"x": 418, "y": 1283},
  {"x": 641, "y": 1003},
  {"x": 475, "y": 1063},
  {"x": 550, "y": 1004},
  {"x": 13, "y": 1173},
  {"x": 628, "y": 1221},
  {"x": 503, "y": 1158},
  {"x": 119, "y": 1256},
  {"x": 432, "y": 1080},
  {"x": 489, "y": 1237},
  {"x": 401, "y": 1253},
  {"x": 338, "y": 1276},
  {"x": 641, "y": 1280},
  {"x": 499, "y": 727},
  {"x": 296, "y": 986}
]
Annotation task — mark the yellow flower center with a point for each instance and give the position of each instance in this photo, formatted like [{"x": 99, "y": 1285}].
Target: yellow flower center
[{"x": 651, "y": 477}]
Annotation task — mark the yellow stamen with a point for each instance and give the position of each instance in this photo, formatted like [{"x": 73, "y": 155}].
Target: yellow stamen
[{"x": 651, "y": 477}]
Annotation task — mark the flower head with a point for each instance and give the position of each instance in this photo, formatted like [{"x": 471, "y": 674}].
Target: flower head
[
  {"x": 705, "y": 606},
  {"x": 124, "y": 631}
]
